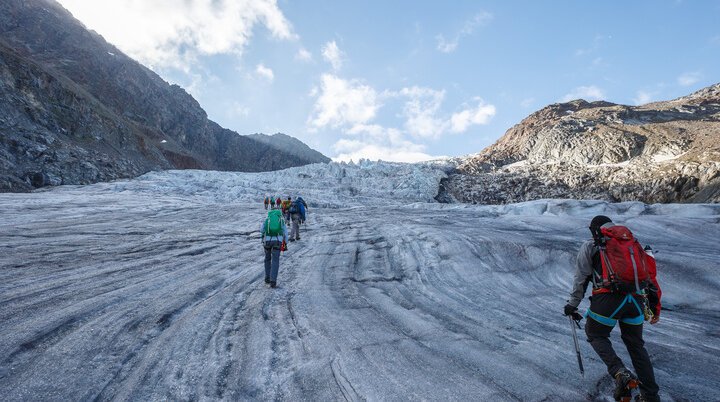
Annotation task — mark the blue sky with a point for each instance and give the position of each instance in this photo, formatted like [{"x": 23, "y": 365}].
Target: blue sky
[{"x": 410, "y": 80}]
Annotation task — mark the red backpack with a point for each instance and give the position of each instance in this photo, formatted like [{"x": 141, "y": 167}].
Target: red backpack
[{"x": 624, "y": 261}]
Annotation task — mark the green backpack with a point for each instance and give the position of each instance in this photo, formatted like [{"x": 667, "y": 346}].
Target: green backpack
[{"x": 273, "y": 223}]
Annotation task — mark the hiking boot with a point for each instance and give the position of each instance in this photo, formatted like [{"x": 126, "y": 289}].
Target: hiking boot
[
  {"x": 646, "y": 398},
  {"x": 267, "y": 280},
  {"x": 298, "y": 238},
  {"x": 291, "y": 239},
  {"x": 272, "y": 284},
  {"x": 625, "y": 381}
]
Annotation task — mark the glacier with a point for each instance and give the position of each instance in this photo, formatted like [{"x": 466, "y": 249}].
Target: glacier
[{"x": 151, "y": 289}]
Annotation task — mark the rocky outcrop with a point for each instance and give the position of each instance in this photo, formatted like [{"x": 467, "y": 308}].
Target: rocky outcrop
[
  {"x": 76, "y": 110},
  {"x": 659, "y": 152},
  {"x": 52, "y": 132}
]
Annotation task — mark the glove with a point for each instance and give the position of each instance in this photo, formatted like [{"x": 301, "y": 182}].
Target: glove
[
  {"x": 572, "y": 311},
  {"x": 283, "y": 247}
]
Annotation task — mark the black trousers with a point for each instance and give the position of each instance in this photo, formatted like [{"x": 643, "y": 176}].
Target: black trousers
[{"x": 599, "y": 337}]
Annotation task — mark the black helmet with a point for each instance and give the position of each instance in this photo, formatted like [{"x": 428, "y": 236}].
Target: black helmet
[{"x": 596, "y": 223}]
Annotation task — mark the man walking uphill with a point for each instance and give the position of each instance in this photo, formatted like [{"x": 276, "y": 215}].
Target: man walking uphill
[
  {"x": 624, "y": 290},
  {"x": 297, "y": 215},
  {"x": 274, "y": 239}
]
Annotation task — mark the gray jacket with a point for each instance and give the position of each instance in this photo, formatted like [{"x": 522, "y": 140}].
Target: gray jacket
[{"x": 584, "y": 271}]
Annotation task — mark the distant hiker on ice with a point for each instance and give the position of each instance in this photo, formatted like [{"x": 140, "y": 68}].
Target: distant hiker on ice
[
  {"x": 274, "y": 239},
  {"x": 278, "y": 202},
  {"x": 625, "y": 290},
  {"x": 272, "y": 202},
  {"x": 297, "y": 215},
  {"x": 286, "y": 207},
  {"x": 267, "y": 200}
]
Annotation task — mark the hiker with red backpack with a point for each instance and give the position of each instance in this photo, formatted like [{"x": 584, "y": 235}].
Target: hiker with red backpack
[
  {"x": 624, "y": 290},
  {"x": 274, "y": 240}
]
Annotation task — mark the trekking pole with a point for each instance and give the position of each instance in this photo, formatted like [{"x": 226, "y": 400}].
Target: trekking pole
[{"x": 577, "y": 347}]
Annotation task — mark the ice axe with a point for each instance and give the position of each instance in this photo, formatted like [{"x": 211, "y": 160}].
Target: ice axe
[{"x": 573, "y": 323}]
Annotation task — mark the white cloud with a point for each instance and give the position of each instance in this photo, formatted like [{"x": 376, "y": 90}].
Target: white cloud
[
  {"x": 170, "y": 33},
  {"x": 445, "y": 46},
  {"x": 421, "y": 111},
  {"x": 352, "y": 107},
  {"x": 597, "y": 41},
  {"x": 303, "y": 55},
  {"x": 642, "y": 98},
  {"x": 468, "y": 29},
  {"x": 343, "y": 102},
  {"x": 589, "y": 93},
  {"x": 688, "y": 79},
  {"x": 331, "y": 53},
  {"x": 361, "y": 150},
  {"x": 373, "y": 141},
  {"x": 375, "y": 131},
  {"x": 390, "y": 147},
  {"x": 527, "y": 102},
  {"x": 265, "y": 72},
  {"x": 238, "y": 110},
  {"x": 459, "y": 122}
]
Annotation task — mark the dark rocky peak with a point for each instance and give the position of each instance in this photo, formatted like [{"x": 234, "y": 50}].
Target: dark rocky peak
[
  {"x": 290, "y": 145},
  {"x": 104, "y": 114}
]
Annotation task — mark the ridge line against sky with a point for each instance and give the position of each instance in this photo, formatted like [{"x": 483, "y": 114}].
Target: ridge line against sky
[{"x": 409, "y": 81}]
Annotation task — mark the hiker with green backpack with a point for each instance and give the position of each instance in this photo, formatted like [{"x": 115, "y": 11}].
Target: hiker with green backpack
[{"x": 274, "y": 240}]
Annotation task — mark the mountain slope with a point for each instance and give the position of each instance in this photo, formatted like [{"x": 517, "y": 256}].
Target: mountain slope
[
  {"x": 659, "y": 152},
  {"x": 290, "y": 145},
  {"x": 141, "y": 122}
]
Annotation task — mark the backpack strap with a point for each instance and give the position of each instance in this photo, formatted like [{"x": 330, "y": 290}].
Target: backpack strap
[
  {"x": 635, "y": 267},
  {"x": 608, "y": 274}
]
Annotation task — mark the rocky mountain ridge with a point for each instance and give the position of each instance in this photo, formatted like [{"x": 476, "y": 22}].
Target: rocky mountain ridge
[
  {"x": 660, "y": 152},
  {"x": 290, "y": 145},
  {"x": 74, "y": 109}
]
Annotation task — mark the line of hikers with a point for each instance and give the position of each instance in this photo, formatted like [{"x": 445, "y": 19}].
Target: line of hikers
[
  {"x": 274, "y": 231},
  {"x": 273, "y": 202}
]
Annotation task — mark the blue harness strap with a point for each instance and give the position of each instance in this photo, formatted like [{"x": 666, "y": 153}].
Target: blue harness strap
[{"x": 610, "y": 321}]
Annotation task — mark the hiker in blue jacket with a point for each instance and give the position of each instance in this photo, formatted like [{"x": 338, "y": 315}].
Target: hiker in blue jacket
[
  {"x": 297, "y": 212},
  {"x": 274, "y": 240}
]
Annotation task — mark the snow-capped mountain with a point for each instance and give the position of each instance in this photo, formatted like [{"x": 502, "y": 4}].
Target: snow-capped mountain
[{"x": 659, "y": 152}]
